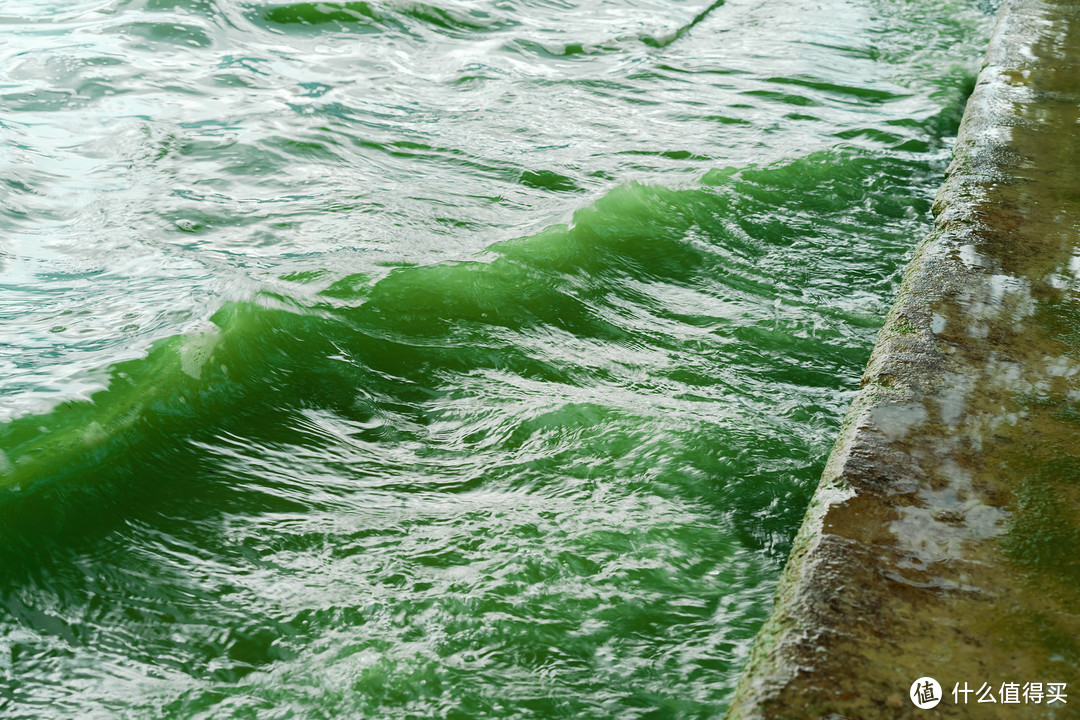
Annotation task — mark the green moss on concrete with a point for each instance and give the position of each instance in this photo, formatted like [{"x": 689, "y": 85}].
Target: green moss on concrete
[{"x": 944, "y": 539}]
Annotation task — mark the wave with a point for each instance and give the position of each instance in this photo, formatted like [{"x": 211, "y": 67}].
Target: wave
[{"x": 364, "y": 346}]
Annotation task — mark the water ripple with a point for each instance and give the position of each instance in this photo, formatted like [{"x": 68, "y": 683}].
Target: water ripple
[{"x": 456, "y": 359}]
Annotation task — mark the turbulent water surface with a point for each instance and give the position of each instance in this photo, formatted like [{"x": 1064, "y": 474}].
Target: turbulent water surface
[{"x": 447, "y": 359}]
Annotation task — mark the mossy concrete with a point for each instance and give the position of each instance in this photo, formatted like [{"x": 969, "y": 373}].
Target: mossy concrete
[{"x": 944, "y": 538}]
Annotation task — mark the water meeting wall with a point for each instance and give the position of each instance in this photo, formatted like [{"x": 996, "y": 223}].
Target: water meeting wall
[{"x": 944, "y": 538}]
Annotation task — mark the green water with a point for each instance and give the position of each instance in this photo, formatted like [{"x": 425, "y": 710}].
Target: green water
[{"x": 468, "y": 359}]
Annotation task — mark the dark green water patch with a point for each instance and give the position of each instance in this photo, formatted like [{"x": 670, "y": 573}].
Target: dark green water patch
[
  {"x": 861, "y": 94},
  {"x": 548, "y": 179},
  {"x": 321, "y": 13}
]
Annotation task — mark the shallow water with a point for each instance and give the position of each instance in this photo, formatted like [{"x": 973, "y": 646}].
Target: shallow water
[{"x": 463, "y": 359}]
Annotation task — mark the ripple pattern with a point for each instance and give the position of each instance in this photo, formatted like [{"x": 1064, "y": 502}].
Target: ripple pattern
[{"x": 455, "y": 359}]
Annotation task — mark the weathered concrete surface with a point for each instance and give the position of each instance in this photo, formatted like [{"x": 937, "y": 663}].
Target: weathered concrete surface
[{"x": 944, "y": 539}]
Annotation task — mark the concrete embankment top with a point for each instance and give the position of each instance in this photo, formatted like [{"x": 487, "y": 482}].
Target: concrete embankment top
[{"x": 944, "y": 539}]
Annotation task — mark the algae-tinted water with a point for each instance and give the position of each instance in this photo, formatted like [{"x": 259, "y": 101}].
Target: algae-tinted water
[{"x": 461, "y": 359}]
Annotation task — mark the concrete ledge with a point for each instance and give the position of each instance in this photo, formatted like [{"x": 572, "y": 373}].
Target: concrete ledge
[{"x": 944, "y": 538}]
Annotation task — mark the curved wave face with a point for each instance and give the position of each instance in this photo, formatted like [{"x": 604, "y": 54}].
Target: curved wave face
[{"x": 463, "y": 359}]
